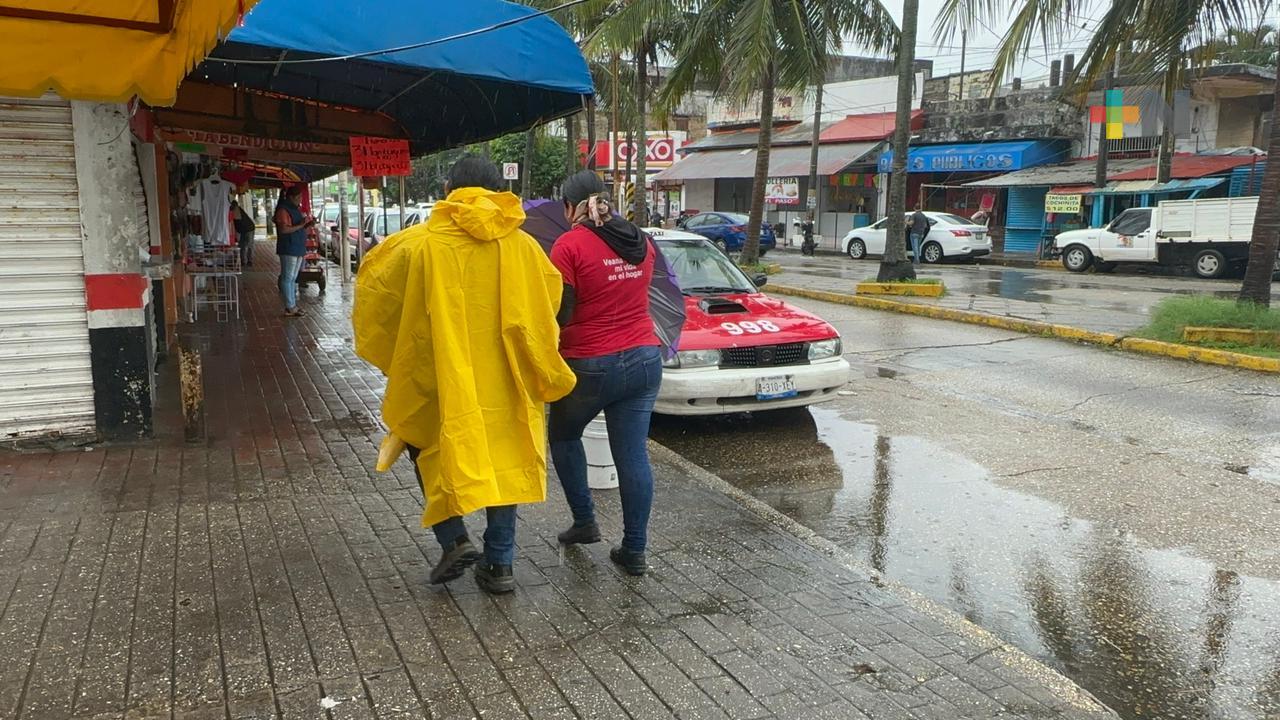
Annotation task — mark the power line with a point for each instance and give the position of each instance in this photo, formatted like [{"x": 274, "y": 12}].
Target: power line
[{"x": 404, "y": 48}]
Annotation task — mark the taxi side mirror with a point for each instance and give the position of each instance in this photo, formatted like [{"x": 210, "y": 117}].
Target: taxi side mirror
[{"x": 760, "y": 280}]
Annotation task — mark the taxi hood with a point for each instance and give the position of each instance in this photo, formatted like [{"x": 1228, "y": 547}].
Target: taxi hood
[{"x": 715, "y": 322}]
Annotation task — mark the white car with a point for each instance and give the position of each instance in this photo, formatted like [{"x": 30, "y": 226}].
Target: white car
[
  {"x": 741, "y": 350},
  {"x": 950, "y": 236}
]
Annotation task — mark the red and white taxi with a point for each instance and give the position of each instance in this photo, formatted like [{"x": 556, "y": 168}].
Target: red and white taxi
[{"x": 741, "y": 350}]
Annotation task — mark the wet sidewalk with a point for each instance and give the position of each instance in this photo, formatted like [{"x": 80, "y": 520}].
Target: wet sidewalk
[{"x": 271, "y": 573}]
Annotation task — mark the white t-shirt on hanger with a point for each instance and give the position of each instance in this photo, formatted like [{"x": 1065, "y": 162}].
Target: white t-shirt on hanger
[{"x": 215, "y": 205}]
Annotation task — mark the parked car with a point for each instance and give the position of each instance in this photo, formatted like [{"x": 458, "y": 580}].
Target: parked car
[
  {"x": 330, "y": 220},
  {"x": 950, "y": 236},
  {"x": 728, "y": 231},
  {"x": 741, "y": 350},
  {"x": 1210, "y": 235},
  {"x": 378, "y": 226}
]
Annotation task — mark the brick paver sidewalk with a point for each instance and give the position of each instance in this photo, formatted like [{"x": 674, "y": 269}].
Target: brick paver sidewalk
[{"x": 272, "y": 574}]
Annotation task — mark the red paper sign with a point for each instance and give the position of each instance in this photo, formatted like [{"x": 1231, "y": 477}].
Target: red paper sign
[{"x": 375, "y": 156}]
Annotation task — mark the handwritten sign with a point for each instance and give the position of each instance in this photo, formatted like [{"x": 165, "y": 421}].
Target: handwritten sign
[
  {"x": 375, "y": 156},
  {"x": 1069, "y": 204}
]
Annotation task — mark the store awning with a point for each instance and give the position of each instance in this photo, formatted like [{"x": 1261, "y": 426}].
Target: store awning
[
  {"x": 978, "y": 157},
  {"x": 872, "y": 126},
  {"x": 448, "y": 73},
  {"x": 1076, "y": 172},
  {"x": 1192, "y": 166},
  {"x": 108, "y": 50},
  {"x": 1151, "y": 187},
  {"x": 1071, "y": 189},
  {"x": 791, "y": 161}
]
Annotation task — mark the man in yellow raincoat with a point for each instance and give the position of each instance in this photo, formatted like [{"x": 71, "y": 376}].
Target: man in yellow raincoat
[{"x": 460, "y": 314}]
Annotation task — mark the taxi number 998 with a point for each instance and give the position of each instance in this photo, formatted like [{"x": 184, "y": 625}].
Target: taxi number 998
[{"x": 750, "y": 328}]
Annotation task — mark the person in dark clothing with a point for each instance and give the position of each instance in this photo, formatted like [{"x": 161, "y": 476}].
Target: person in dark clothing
[
  {"x": 245, "y": 227},
  {"x": 291, "y": 245},
  {"x": 609, "y": 340},
  {"x": 919, "y": 229}
]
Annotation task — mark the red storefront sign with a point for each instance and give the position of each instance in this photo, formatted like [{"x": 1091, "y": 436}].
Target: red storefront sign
[{"x": 375, "y": 156}]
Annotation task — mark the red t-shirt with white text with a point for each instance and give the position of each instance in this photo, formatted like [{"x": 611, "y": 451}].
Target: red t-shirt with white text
[{"x": 611, "y": 313}]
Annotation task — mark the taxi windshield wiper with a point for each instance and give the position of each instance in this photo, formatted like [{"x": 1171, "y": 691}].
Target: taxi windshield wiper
[{"x": 711, "y": 290}]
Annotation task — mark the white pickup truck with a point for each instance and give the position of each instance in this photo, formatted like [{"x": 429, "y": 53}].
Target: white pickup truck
[{"x": 1209, "y": 235}]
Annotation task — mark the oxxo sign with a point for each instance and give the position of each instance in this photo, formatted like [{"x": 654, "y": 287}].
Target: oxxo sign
[{"x": 660, "y": 150}]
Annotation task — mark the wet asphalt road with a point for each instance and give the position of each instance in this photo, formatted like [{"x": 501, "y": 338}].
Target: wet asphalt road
[
  {"x": 1120, "y": 300},
  {"x": 1116, "y": 516}
]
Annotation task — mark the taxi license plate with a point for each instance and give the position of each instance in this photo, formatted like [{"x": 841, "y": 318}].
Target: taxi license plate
[{"x": 775, "y": 388}]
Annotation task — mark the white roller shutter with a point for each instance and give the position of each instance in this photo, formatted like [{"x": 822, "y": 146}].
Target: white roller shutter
[{"x": 46, "y": 382}]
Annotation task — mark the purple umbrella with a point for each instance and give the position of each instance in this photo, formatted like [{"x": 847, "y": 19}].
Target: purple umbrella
[{"x": 545, "y": 222}]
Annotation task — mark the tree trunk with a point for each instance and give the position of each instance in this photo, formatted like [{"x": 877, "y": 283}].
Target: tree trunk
[
  {"x": 1100, "y": 168},
  {"x": 571, "y": 142},
  {"x": 895, "y": 265},
  {"x": 813, "y": 152},
  {"x": 1164, "y": 169},
  {"x": 751, "y": 248},
  {"x": 526, "y": 167},
  {"x": 1265, "y": 242},
  {"x": 591, "y": 134},
  {"x": 642, "y": 145}
]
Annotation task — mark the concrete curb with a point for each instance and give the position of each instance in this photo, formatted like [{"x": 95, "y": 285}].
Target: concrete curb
[
  {"x": 1208, "y": 356},
  {"x": 1059, "y": 685}
]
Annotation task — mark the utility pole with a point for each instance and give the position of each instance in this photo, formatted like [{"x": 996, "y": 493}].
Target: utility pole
[
  {"x": 1100, "y": 172},
  {"x": 613, "y": 137},
  {"x": 812, "y": 196},
  {"x": 964, "y": 46}
]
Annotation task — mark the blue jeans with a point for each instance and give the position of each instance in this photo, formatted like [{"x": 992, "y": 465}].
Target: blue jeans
[
  {"x": 916, "y": 240},
  {"x": 499, "y": 532},
  {"x": 290, "y": 266},
  {"x": 246, "y": 249},
  {"x": 625, "y": 386}
]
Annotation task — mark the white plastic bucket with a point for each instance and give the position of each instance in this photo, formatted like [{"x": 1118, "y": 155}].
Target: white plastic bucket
[{"x": 601, "y": 472}]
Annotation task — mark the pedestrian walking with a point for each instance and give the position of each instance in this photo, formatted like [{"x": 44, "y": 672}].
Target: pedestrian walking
[
  {"x": 608, "y": 339},
  {"x": 459, "y": 312},
  {"x": 919, "y": 229},
  {"x": 245, "y": 228},
  {"x": 291, "y": 245}
]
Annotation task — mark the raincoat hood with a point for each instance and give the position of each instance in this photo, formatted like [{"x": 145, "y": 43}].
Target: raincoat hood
[{"x": 483, "y": 214}]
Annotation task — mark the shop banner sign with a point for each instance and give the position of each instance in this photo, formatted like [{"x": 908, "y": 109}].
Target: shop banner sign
[
  {"x": 782, "y": 191},
  {"x": 1066, "y": 204},
  {"x": 375, "y": 156}
]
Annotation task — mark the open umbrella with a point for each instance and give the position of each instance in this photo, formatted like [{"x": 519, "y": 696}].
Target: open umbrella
[
  {"x": 544, "y": 220},
  {"x": 109, "y": 50}
]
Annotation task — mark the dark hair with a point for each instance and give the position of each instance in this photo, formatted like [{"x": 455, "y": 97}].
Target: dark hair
[
  {"x": 580, "y": 186},
  {"x": 293, "y": 190},
  {"x": 474, "y": 171}
]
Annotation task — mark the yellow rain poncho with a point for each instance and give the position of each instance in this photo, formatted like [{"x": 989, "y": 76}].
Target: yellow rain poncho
[{"x": 459, "y": 313}]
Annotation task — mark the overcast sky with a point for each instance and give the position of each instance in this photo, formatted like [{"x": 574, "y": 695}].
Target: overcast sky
[{"x": 982, "y": 42}]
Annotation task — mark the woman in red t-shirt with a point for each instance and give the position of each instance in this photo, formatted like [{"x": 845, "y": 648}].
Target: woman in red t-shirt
[{"x": 608, "y": 338}]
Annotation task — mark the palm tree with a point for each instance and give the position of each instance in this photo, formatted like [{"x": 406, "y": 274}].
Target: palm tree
[
  {"x": 753, "y": 47},
  {"x": 1160, "y": 33},
  {"x": 894, "y": 264}
]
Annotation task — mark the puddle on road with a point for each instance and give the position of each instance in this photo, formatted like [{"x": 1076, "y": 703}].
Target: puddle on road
[{"x": 1152, "y": 633}]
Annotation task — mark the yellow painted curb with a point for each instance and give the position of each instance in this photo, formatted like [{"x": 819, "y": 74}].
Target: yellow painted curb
[
  {"x": 772, "y": 269},
  {"x": 1033, "y": 327},
  {"x": 1239, "y": 336},
  {"x": 1210, "y": 356},
  {"x": 905, "y": 289},
  {"x": 1050, "y": 265}
]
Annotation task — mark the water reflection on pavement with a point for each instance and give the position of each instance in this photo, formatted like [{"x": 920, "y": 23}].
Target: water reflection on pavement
[{"x": 1153, "y": 633}]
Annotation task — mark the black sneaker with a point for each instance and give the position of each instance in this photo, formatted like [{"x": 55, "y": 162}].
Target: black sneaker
[
  {"x": 454, "y": 562},
  {"x": 495, "y": 579},
  {"x": 629, "y": 560},
  {"x": 580, "y": 535}
]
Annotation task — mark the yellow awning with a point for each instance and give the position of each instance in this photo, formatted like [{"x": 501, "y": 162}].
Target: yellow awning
[{"x": 108, "y": 50}]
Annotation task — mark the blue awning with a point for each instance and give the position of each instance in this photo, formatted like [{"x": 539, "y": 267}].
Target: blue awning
[
  {"x": 993, "y": 157},
  {"x": 1151, "y": 187},
  {"x": 458, "y": 91}
]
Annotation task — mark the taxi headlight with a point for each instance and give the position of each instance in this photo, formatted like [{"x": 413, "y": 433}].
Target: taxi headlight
[
  {"x": 693, "y": 359},
  {"x": 824, "y": 349}
]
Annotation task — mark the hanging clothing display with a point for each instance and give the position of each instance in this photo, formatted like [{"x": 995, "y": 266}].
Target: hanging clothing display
[{"x": 215, "y": 208}]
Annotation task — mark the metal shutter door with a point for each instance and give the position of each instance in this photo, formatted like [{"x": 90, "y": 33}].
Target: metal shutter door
[
  {"x": 1024, "y": 219},
  {"x": 46, "y": 383}
]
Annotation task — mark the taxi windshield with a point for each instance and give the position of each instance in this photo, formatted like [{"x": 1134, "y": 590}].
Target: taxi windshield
[{"x": 701, "y": 269}]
